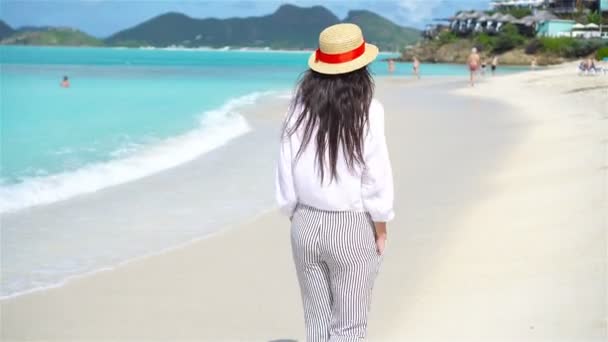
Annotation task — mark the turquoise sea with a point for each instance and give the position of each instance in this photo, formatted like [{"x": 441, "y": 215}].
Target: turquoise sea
[{"x": 129, "y": 113}]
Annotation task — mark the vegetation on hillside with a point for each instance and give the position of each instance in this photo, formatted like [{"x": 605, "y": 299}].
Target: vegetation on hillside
[
  {"x": 382, "y": 32},
  {"x": 52, "y": 36},
  {"x": 567, "y": 47},
  {"x": 515, "y": 44},
  {"x": 594, "y": 18},
  {"x": 285, "y": 27},
  {"x": 5, "y": 30},
  {"x": 290, "y": 27},
  {"x": 508, "y": 39},
  {"x": 602, "y": 53}
]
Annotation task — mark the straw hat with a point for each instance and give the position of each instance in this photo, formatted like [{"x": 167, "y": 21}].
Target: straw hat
[{"x": 341, "y": 49}]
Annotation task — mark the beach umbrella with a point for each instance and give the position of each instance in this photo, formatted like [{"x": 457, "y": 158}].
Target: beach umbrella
[
  {"x": 578, "y": 26},
  {"x": 496, "y": 16},
  {"x": 461, "y": 15},
  {"x": 544, "y": 16},
  {"x": 508, "y": 18},
  {"x": 528, "y": 20},
  {"x": 592, "y": 26},
  {"x": 477, "y": 15},
  {"x": 469, "y": 15}
]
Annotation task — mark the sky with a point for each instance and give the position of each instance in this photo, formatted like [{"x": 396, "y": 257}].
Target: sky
[{"x": 102, "y": 18}]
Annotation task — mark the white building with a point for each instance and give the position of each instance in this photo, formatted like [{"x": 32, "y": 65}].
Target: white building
[
  {"x": 519, "y": 3},
  {"x": 556, "y": 6}
]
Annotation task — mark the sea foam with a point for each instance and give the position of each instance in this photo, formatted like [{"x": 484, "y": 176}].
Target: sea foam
[{"x": 216, "y": 128}]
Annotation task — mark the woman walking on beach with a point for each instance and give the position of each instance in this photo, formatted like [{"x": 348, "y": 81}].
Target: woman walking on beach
[{"x": 334, "y": 182}]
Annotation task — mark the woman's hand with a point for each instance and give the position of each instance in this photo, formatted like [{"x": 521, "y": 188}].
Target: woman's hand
[{"x": 380, "y": 235}]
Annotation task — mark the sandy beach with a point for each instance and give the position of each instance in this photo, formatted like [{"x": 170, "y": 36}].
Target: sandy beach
[{"x": 500, "y": 234}]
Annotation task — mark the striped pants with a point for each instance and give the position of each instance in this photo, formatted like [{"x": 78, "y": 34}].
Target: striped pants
[{"x": 337, "y": 262}]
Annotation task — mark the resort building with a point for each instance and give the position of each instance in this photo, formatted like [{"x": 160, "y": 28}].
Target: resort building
[
  {"x": 475, "y": 21},
  {"x": 555, "y": 28},
  {"x": 556, "y": 6},
  {"x": 518, "y": 3},
  {"x": 543, "y": 21}
]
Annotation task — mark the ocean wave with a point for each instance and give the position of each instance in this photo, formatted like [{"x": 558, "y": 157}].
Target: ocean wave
[{"x": 216, "y": 128}]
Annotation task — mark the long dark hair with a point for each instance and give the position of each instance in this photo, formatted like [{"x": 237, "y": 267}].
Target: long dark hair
[{"x": 337, "y": 107}]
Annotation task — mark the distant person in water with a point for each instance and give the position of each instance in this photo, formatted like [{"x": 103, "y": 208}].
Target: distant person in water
[
  {"x": 533, "y": 64},
  {"x": 65, "y": 83},
  {"x": 483, "y": 68},
  {"x": 391, "y": 66},
  {"x": 473, "y": 63},
  {"x": 416, "y": 67},
  {"x": 494, "y": 64}
]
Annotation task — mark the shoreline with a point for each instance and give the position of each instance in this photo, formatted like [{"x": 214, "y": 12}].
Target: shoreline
[
  {"x": 269, "y": 101},
  {"x": 387, "y": 90},
  {"x": 178, "y": 48},
  {"x": 235, "y": 104},
  {"x": 150, "y": 161},
  {"x": 110, "y": 268},
  {"x": 91, "y": 207},
  {"x": 483, "y": 176}
]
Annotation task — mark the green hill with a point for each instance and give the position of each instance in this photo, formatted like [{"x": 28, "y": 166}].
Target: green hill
[
  {"x": 383, "y": 32},
  {"x": 5, "y": 30},
  {"x": 290, "y": 27},
  {"x": 51, "y": 36}
]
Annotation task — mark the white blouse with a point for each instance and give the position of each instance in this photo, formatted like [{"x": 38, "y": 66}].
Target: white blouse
[{"x": 368, "y": 189}]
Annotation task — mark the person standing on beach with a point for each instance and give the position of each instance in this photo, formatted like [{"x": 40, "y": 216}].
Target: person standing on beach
[
  {"x": 494, "y": 64},
  {"x": 473, "y": 63},
  {"x": 416, "y": 67},
  {"x": 334, "y": 181},
  {"x": 391, "y": 66}
]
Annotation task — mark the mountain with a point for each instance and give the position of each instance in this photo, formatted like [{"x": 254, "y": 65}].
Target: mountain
[
  {"x": 50, "y": 36},
  {"x": 378, "y": 30},
  {"x": 290, "y": 27},
  {"x": 5, "y": 30}
]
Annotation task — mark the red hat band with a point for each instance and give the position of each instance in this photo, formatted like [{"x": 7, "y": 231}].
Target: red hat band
[{"x": 340, "y": 57}]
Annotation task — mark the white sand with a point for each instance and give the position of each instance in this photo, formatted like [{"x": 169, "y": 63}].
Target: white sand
[
  {"x": 528, "y": 260},
  {"x": 500, "y": 233}
]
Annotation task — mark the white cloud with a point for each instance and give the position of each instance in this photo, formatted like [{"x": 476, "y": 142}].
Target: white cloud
[{"x": 418, "y": 10}]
